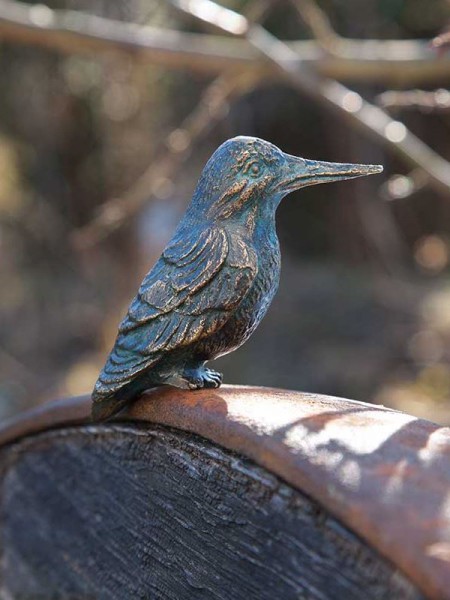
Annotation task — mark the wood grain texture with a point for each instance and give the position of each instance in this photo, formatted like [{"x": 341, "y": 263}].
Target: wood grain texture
[
  {"x": 120, "y": 511},
  {"x": 382, "y": 473}
]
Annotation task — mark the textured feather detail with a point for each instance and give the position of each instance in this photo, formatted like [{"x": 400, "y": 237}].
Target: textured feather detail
[{"x": 201, "y": 277}]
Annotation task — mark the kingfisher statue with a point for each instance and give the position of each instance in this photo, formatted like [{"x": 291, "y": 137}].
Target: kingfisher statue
[{"x": 216, "y": 278}]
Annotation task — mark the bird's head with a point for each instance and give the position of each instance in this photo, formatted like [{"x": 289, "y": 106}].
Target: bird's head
[{"x": 247, "y": 173}]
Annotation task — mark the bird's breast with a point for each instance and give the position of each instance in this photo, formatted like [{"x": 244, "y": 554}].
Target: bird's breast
[
  {"x": 261, "y": 294},
  {"x": 256, "y": 302}
]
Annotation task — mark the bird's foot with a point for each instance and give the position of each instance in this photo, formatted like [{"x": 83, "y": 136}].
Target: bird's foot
[
  {"x": 202, "y": 378},
  {"x": 213, "y": 378}
]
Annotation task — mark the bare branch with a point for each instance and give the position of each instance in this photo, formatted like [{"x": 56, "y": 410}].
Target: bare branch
[
  {"x": 358, "y": 112},
  {"x": 441, "y": 42},
  {"x": 405, "y": 62},
  {"x": 424, "y": 101},
  {"x": 173, "y": 152},
  {"x": 319, "y": 24},
  {"x": 81, "y": 33}
]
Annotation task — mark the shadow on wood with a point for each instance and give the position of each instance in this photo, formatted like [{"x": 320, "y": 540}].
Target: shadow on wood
[{"x": 232, "y": 493}]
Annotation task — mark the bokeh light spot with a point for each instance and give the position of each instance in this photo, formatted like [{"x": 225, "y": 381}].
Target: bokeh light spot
[
  {"x": 432, "y": 253},
  {"x": 352, "y": 102},
  {"x": 400, "y": 186},
  {"x": 395, "y": 132},
  {"x": 41, "y": 15}
]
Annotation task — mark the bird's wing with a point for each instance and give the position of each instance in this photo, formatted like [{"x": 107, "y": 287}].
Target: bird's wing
[{"x": 193, "y": 289}]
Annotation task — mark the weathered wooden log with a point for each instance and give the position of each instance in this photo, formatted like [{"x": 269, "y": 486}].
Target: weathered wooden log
[{"x": 232, "y": 493}]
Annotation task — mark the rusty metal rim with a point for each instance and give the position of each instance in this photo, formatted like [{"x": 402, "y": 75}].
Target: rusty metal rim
[{"x": 384, "y": 474}]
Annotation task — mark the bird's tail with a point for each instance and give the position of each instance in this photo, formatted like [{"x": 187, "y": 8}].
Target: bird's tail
[
  {"x": 105, "y": 408},
  {"x": 106, "y": 405}
]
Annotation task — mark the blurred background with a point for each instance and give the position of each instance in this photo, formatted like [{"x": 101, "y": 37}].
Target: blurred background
[{"x": 108, "y": 112}]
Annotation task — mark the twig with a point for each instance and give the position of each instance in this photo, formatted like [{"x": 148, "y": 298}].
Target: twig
[
  {"x": 73, "y": 32},
  {"x": 376, "y": 219},
  {"x": 441, "y": 42},
  {"x": 319, "y": 24},
  {"x": 409, "y": 62},
  {"x": 435, "y": 101},
  {"x": 357, "y": 111},
  {"x": 173, "y": 151}
]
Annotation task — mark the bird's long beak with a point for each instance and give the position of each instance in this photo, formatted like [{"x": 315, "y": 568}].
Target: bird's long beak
[{"x": 300, "y": 172}]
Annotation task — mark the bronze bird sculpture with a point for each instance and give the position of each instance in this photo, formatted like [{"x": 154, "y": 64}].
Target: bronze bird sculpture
[{"x": 216, "y": 278}]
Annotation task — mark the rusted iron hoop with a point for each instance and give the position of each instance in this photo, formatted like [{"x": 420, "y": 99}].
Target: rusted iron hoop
[{"x": 384, "y": 474}]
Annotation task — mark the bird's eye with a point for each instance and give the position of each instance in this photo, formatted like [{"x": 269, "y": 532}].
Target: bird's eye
[{"x": 252, "y": 168}]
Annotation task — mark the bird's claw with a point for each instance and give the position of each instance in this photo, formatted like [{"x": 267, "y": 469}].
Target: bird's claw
[
  {"x": 214, "y": 378},
  {"x": 202, "y": 378}
]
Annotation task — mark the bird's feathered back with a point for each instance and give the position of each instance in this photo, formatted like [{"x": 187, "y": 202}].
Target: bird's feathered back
[{"x": 180, "y": 301}]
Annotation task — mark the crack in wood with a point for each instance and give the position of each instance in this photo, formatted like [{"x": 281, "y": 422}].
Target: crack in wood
[{"x": 132, "y": 511}]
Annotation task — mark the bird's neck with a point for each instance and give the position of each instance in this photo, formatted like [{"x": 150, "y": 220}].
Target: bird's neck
[
  {"x": 255, "y": 219},
  {"x": 265, "y": 232},
  {"x": 257, "y": 226},
  {"x": 260, "y": 221}
]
